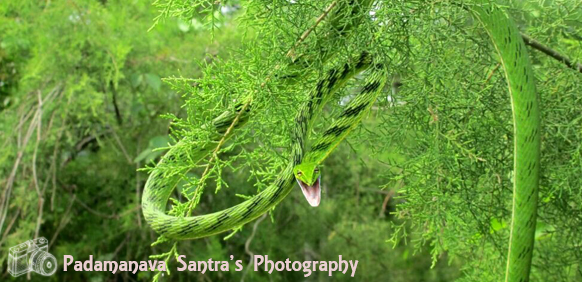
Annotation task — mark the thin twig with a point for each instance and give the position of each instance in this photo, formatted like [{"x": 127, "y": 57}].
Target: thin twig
[
  {"x": 291, "y": 52},
  {"x": 384, "y": 192},
  {"x": 46, "y": 100},
  {"x": 248, "y": 244},
  {"x": 80, "y": 145},
  {"x": 47, "y": 131},
  {"x": 64, "y": 221},
  {"x": 34, "y": 154},
  {"x": 121, "y": 245},
  {"x": 491, "y": 74},
  {"x": 54, "y": 159},
  {"x": 9, "y": 226},
  {"x": 39, "y": 217},
  {"x": 138, "y": 184},
  {"x": 123, "y": 150},
  {"x": 214, "y": 154},
  {"x": 4, "y": 203},
  {"x": 35, "y": 177},
  {"x": 385, "y": 203},
  {"x": 99, "y": 214},
  {"x": 53, "y": 168}
]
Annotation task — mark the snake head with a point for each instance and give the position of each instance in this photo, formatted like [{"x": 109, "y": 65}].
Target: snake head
[{"x": 308, "y": 176}]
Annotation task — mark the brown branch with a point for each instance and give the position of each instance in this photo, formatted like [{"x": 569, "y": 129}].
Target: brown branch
[
  {"x": 214, "y": 153},
  {"x": 551, "y": 52},
  {"x": 491, "y": 74},
  {"x": 82, "y": 144},
  {"x": 9, "y": 226},
  {"x": 46, "y": 100},
  {"x": 115, "y": 106},
  {"x": 385, "y": 203}
]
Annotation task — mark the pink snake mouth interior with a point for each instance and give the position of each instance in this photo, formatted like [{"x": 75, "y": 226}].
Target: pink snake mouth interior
[{"x": 312, "y": 193}]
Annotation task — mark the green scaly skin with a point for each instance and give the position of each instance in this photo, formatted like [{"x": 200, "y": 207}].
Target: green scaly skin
[
  {"x": 526, "y": 126},
  {"x": 158, "y": 188}
]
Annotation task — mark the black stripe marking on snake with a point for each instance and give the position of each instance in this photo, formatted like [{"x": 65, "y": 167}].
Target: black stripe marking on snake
[
  {"x": 188, "y": 227},
  {"x": 280, "y": 185},
  {"x": 321, "y": 146},
  {"x": 251, "y": 207},
  {"x": 370, "y": 87},
  {"x": 350, "y": 112},
  {"x": 336, "y": 130},
  {"x": 221, "y": 219}
]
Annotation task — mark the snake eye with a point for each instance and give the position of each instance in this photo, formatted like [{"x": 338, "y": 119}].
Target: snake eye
[
  {"x": 299, "y": 173},
  {"x": 316, "y": 170}
]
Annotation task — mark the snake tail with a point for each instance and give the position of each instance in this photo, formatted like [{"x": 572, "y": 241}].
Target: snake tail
[{"x": 526, "y": 126}]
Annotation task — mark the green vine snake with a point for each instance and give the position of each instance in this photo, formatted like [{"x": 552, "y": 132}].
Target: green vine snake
[{"x": 303, "y": 164}]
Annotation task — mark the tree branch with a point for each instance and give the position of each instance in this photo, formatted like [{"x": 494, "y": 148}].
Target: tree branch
[{"x": 551, "y": 52}]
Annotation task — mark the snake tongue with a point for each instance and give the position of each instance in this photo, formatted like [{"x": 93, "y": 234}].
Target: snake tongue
[{"x": 312, "y": 193}]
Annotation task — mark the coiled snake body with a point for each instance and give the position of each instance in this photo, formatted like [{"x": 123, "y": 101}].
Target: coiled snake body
[
  {"x": 157, "y": 190},
  {"x": 303, "y": 166}
]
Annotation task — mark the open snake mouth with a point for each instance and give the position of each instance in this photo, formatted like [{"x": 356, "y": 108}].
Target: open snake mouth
[{"x": 312, "y": 193}]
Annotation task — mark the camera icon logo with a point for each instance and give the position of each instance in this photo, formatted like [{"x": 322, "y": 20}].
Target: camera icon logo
[{"x": 31, "y": 255}]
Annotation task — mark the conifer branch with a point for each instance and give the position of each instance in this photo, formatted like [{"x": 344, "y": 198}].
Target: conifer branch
[{"x": 291, "y": 54}]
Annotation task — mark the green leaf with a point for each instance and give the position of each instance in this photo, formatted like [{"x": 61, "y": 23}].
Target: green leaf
[
  {"x": 497, "y": 225},
  {"x": 136, "y": 79},
  {"x": 183, "y": 26},
  {"x": 159, "y": 141},
  {"x": 150, "y": 153},
  {"x": 153, "y": 81},
  {"x": 143, "y": 155}
]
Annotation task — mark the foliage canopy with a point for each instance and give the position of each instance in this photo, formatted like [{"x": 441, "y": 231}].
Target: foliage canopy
[{"x": 424, "y": 182}]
